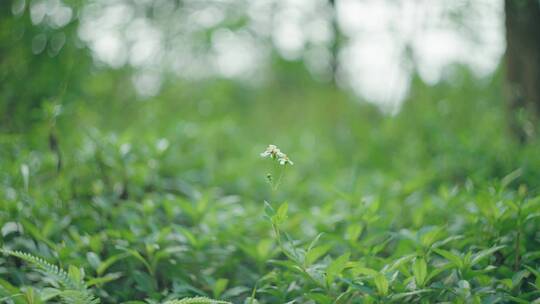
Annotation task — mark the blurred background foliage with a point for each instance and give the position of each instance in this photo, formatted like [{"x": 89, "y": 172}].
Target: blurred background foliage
[{"x": 130, "y": 135}]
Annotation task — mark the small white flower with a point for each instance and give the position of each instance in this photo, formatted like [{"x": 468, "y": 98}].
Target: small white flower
[
  {"x": 271, "y": 151},
  {"x": 274, "y": 152},
  {"x": 284, "y": 160}
]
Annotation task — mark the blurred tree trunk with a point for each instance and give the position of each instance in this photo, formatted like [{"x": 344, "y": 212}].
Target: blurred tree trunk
[
  {"x": 523, "y": 65},
  {"x": 334, "y": 64}
]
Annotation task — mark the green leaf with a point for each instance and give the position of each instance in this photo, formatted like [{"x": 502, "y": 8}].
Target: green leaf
[
  {"x": 428, "y": 238},
  {"x": 31, "y": 297},
  {"x": 420, "y": 271},
  {"x": 402, "y": 295},
  {"x": 336, "y": 267},
  {"x": 75, "y": 274},
  {"x": 314, "y": 242},
  {"x": 47, "y": 294},
  {"x": 93, "y": 259},
  {"x": 532, "y": 216},
  {"x": 8, "y": 289},
  {"x": 454, "y": 259},
  {"x": 251, "y": 300},
  {"x": 359, "y": 269},
  {"x": 315, "y": 253},
  {"x": 219, "y": 287},
  {"x": 104, "y": 279},
  {"x": 281, "y": 214},
  {"x": 536, "y": 274},
  {"x": 110, "y": 261},
  {"x": 484, "y": 253},
  {"x": 396, "y": 264},
  {"x": 37, "y": 233},
  {"x": 512, "y": 176},
  {"x": 518, "y": 277},
  {"x": 320, "y": 298},
  {"x": 439, "y": 270},
  {"x": 353, "y": 232},
  {"x": 382, "y": 284},
  {"x": 197, "y": 300},
  {"x": 193, "y": 241},
  {"x": 268, "y": 210},
  {"x": 263, "y": 249},
  {"x": 139, "y": 257},
  {"x": 447, "y": 240},
  {"x": 518, "y": 300}
]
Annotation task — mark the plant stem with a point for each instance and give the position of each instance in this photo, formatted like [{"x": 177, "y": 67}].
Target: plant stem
[{"x": 278, "y": 182}]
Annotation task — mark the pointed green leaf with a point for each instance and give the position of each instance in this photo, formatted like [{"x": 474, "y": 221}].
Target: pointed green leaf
[
  {"x": 454, "y": 259},
  {"x": 336, "y": 267},
  {"x": 382, "y": 284},
  {"x": 420, "y": 271},
  {"x": 484, "y": 253}
]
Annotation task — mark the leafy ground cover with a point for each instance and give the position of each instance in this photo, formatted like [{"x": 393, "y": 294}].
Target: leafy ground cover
[{"x": 170, "y": 199}]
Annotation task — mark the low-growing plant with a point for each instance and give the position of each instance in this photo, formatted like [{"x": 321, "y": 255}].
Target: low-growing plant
[
  {"x": 427, "y": 206},
  {"x": 69, "y": 286}
]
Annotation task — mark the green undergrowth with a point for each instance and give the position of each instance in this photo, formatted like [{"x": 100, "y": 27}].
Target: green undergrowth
[{"x": 171, "y": 200}]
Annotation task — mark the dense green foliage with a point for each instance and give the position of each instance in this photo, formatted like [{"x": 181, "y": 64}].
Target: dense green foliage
[
  {"x": 433, "y": 204},
  {"x": 167, "y": 199}
]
